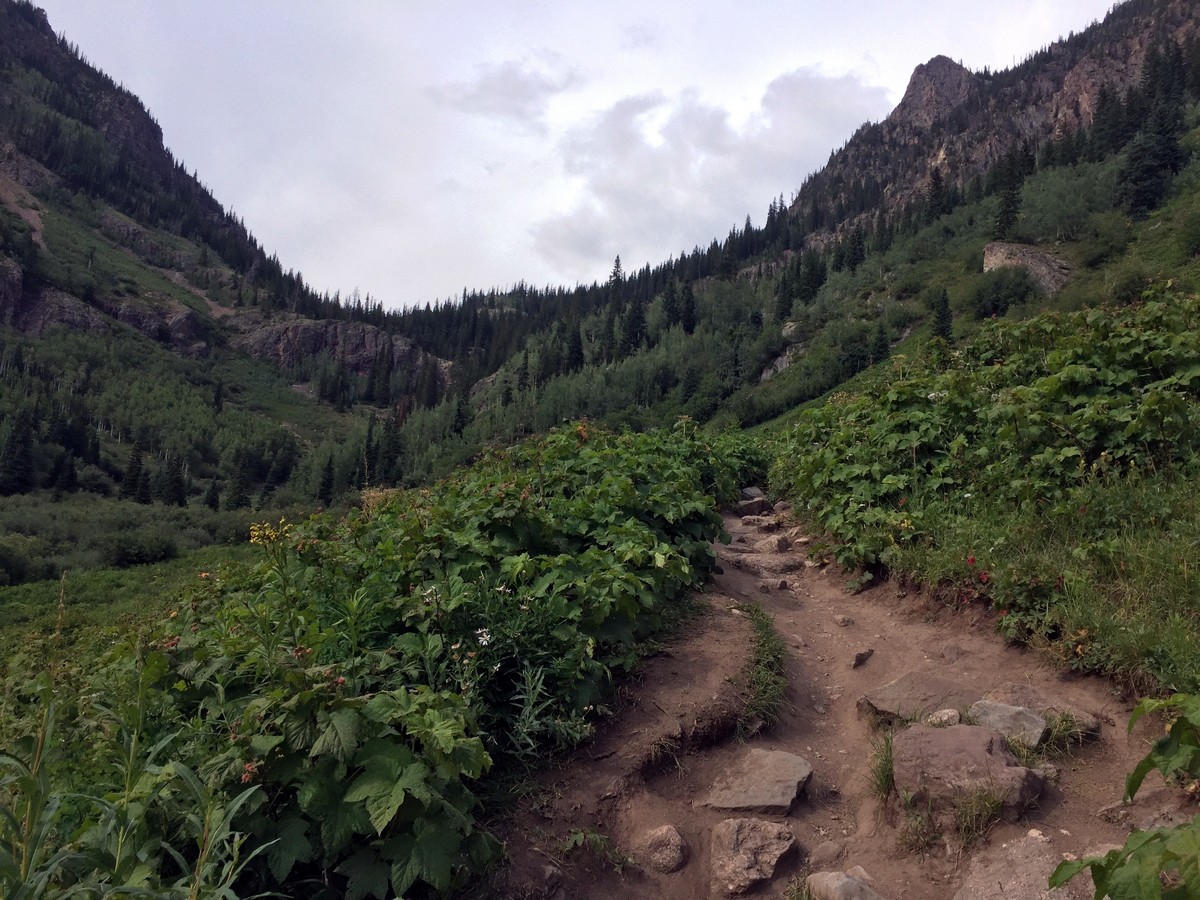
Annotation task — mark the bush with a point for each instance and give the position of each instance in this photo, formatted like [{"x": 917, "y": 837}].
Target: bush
[
  {"x": 140, "y": 546},
  {"x": 996, "y": 291}
]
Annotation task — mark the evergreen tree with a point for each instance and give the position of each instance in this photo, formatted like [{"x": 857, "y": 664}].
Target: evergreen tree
[
  {"x": 16, "y": 455},
  {"x": 145, "y": 491},
  {"x": 880, "y": 346},
  {"x": 574, "y": 347},
  {"x": 1154, "y": 158},
  {"x": 671, "y": 305},
  {"x": 783, "y": 298},
  {"x": 688, "y": 315},
  {"x": 133, "y": 474},
  {"x": 937, "y": 201},
  {"x": 237, "y": 496},
  {"x": 633, "y": 329},
  {"x": 325, "y": 488},
  {"x": 212, "y": 496},
  {"x": 943, "y": 319}
]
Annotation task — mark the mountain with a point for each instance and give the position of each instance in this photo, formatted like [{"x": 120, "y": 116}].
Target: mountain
[
  {"x": 963, "y": 123},
  {"x": 155, "y": 357}
]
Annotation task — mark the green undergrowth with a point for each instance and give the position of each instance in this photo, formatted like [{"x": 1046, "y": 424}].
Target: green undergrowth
[
  {"x": 336, "y": 708},
  {"x": 1044, "y": 469},
  {"x": 766, "y": 679}
]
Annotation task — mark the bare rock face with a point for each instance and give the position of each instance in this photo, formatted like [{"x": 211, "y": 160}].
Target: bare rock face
[
  {"x": 934, "y": 90},
  {"x": 946, "y": 765},
  {"x": 355, "y": 343},
  {"x": 1049, "y": 272},
  {"x": 765, "y": 781},
  {"x": 745, "y": 853},
  {"x": 662, "y": 849},
  {"x": 52, "y": 307}
]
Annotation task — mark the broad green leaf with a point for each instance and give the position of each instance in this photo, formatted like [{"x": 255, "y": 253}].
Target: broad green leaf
[
  {"x": 340, "y": 737},
  {"x": 291, "y": 846}
]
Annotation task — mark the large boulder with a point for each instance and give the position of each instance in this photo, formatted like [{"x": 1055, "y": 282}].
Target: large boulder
[
  {"x": 944, "y": 766},
  {"x": 915, "y": 695}
]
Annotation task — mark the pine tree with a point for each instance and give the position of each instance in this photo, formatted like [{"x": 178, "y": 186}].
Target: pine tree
[
  {"x": 574, "y": 348},
  {"x": 936, "y": 198},
  {"x": 212, "y": 496},
  {"x": 688, "y": 315},
  {"x": 943, "y": 319},
  {"x": 671, "y": 305},
  {"x": 633, "y": 329},
  {"x": 133, "y": 474},
  {"x": 325, "y": 488},
  {"x": 16, "y": 455},
  {"x": 880, "y": 346}
]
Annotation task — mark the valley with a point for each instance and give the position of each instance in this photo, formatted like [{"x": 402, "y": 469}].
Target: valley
[{"x": 303, "y": 595}]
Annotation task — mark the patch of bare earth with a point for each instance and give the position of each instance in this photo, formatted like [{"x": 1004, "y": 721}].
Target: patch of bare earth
[{"x": 674, "y": 738}]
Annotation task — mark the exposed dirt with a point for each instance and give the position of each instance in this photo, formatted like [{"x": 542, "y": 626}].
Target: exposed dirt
[
  {"x": 675, "y": 733},
  {"x": 15, "y": 197}
]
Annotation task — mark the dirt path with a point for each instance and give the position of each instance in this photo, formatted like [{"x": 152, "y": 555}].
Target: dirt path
[{"x": 656, "y": 761}]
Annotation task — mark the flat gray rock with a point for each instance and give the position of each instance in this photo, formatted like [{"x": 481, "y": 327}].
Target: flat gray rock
[
  {"x": 840, "y": 886},
  {"x": 764, "y": 781},
  {"x": 1016, "y": 693},
  {"x": 1017, "y": 723},
  {"x": 945, "y": 765},
  {"x": 757, "y": 507},
  {"x": 914, "y": 695},
  {"x": 745, "y": 853}
]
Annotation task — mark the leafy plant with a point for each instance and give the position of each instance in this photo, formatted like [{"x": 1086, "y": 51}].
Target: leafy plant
[{"x": 1160, "y": 862}]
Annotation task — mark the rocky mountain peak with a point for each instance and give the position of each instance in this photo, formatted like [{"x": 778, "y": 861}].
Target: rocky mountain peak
[{"x": 934, "y": 90}]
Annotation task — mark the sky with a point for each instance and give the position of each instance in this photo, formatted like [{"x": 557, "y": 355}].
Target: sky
[{"x": 410, "y": 150}]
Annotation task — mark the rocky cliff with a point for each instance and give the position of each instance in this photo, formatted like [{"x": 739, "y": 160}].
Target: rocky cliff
[{"x": 964, "y": 122}]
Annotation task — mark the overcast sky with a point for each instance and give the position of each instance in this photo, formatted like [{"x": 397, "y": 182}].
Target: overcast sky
[{"x": 414, "y": 149}]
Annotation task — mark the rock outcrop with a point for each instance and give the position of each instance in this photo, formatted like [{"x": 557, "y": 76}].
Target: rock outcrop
[{"x": 1049, "y": 272}]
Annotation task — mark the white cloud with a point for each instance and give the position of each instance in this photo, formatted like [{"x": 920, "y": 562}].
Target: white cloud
[
  {"x": 657, "y": 175},
  {"x": 515, "y": 92}
]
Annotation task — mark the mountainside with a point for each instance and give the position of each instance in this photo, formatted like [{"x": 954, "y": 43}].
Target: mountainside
[
  {"x": 120, "y": 274},
  {"x": 963, "y": 123}
]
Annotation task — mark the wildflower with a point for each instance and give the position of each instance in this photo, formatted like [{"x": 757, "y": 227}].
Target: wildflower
[
  {"x": 984, "y": 577},
  {"x": 484, "y": 636},
  {"x": 204, "y": 575},
  {"x": 971, "y": 560},
  {"x": 172, "y": 614},
  {"x": 249, "y": 770}
]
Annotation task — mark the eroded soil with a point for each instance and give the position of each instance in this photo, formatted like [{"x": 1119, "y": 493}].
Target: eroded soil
[{"x": 675, "y": 734}]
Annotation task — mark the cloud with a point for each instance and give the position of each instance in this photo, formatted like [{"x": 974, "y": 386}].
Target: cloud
[
  {"x": 656, "y": 174},
  {"x": 515, "y": 92}
]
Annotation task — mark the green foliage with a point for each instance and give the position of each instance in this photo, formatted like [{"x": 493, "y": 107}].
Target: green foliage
[
  {"x": 1028, "y": 448},
  {"x": 994, "y": 292},
  {"x": 329, "y": 712}
]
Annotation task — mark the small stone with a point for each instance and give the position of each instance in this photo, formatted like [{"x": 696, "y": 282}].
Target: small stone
[
  {"x": 952, "y": 652},
  {"x": 662, "y": 849},
  {"x": 943, "y": 718},
  {"x": 862, "y": 656},
  {"x": 552, "y": 877},
  {"x": 752, "y": 493},
  {"x": 842, "y": 621},
  {"x": 783, "y": 585},
  {"x": 825, "y": 855},
  {"x": 756, "y": 507},
  {"x": 782, "y": 507},
  {"x": 764, "y": 588}
]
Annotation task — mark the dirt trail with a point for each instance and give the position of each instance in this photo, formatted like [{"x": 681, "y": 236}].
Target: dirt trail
[{"x": 655, "y": 762}]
